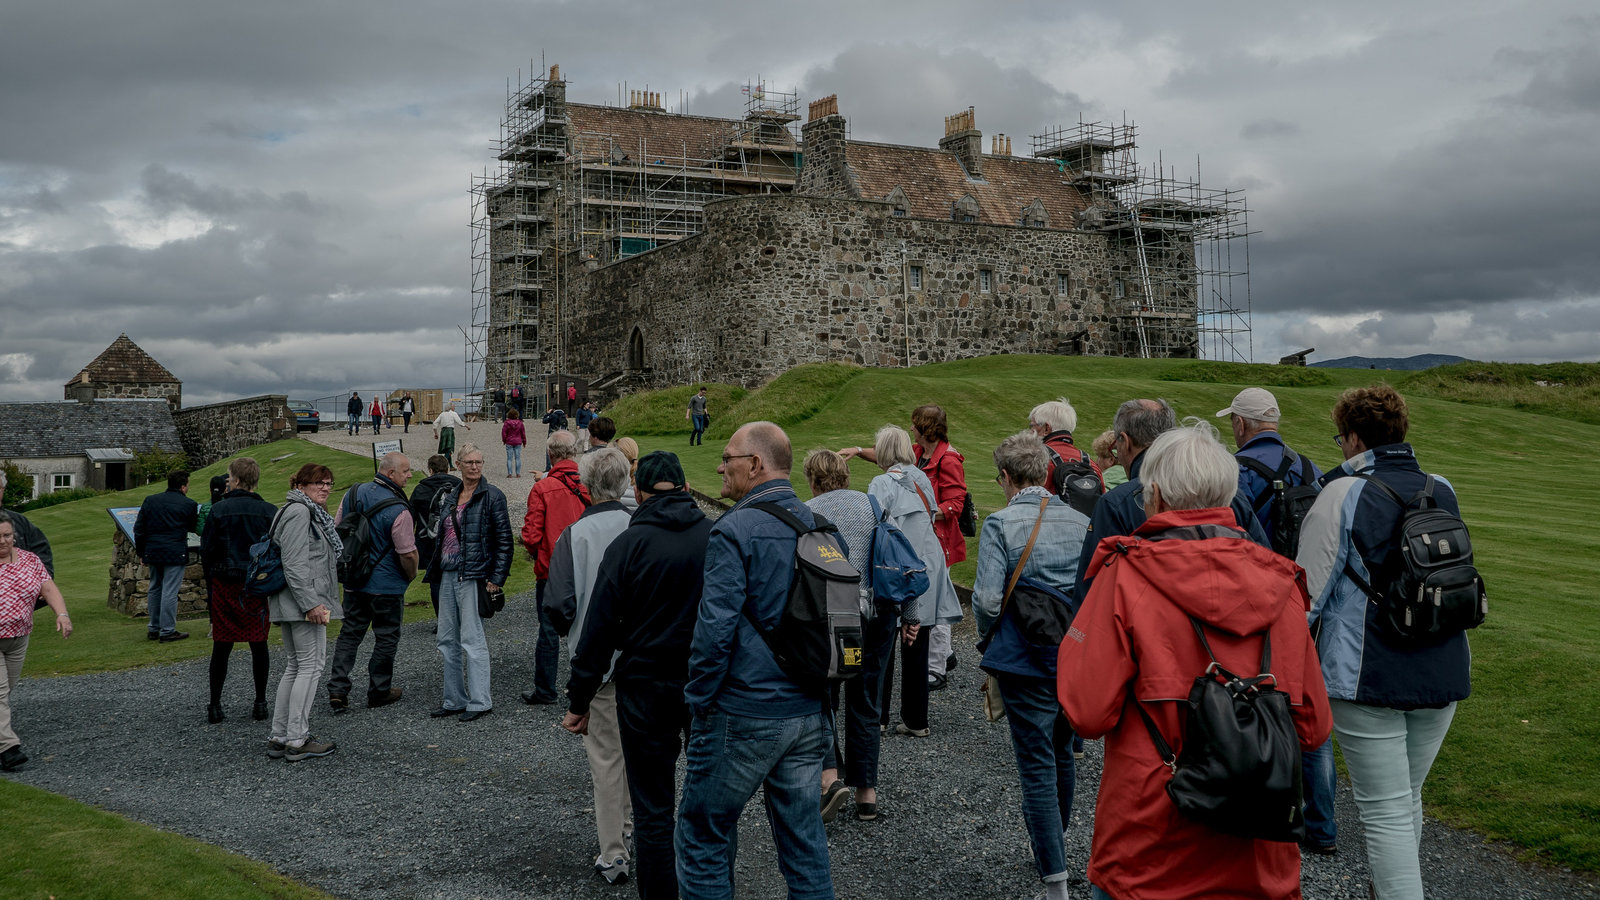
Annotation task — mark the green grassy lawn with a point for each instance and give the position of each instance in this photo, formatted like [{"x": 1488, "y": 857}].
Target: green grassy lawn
[
  {"x": 80, "y": 535},
  {"x": 55, "y": 847},
  {"x": 1522, "y": 762}
]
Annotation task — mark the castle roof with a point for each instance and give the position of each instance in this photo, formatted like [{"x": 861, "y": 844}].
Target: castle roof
[
  {"x": 68, "y": 428},
  {"x": 933, "y": 180},
  {"x": 124, "y": 362},
  {"x": 665, "y": 136}
]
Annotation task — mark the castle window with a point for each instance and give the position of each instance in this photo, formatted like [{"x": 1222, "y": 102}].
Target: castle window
[
  {"x": 899, "y": 212},
  {"x": 965, "y": 209},
  {"x": 1034, "y": 215},
  {"x": 916, "y": 278},
  {"x": 985, "y": 280},
  {"x": 766, "y": 339},
  {"x": 61, "y": 482},
  {"x": 1063, "y": 284},
  {"x": 636, "y": 350},
  {"x": 1118, "y": 290}
]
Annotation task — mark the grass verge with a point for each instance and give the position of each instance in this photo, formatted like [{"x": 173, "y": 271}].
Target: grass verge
[{"x": 55, "y": 847}]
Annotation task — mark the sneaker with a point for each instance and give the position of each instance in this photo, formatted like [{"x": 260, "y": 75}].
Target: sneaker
[
  {"x": 833, "y": 797},
  {"x": 171, "y": 636},
  {"x": 309, "y": 748},
  {"x": 615, "y": 873},
  {"x": 12, "y": 759},
  {"x": 937, "y": 682},
  {"x": 902, "y": 729},
  {"x": 276, "y": 749}
]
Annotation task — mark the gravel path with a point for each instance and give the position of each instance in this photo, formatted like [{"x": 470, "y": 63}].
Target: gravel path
[{"x": 416, "y": 807}]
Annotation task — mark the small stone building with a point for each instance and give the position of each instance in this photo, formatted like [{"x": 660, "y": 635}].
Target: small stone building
[
  {"x": 124, "y": 371},
  {"x": 87, "y": 442}
]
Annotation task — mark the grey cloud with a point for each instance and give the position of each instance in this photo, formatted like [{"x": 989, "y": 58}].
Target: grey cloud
[
  {"x": 1566, "y": 79},
  {"x": 1269, "y": 128}
]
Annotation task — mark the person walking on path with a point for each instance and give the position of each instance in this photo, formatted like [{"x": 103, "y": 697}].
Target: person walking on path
[
  {"x": 426, "y": 514},
  {"x": 353, "y": 409},
  {"x": 642, "y": 612},
  {"x": 519, "y": 400},
  {"x": 698, "y": 417},
  {"x": 573, "y": 566},
  {"x": 23, "y": 583},
  {"x": 161, "y": 538},
  {"x": 556, "y": 501},
  {"x": 1036, "y": 536},
  {"x": 376, "y": 412},
  {"x": 408, "y": 408},
  {"x": 1263, "y": 458},
  {"x": 444, "y": 429},
  {"x": 308, "y": 542},
  {"x": 754, "y": 727},
  {"x": 237, "y": 522},
  {"x": 1186, "y": 576},
  {"x": 471, "y": 557},
  {"x": 380, "y": 601},
  {"x": 586, "y": 414},
  {"x": 572, "y": 398},
  {"x": 513, "y": 436},
  {"x": 1393, "y": 698}
]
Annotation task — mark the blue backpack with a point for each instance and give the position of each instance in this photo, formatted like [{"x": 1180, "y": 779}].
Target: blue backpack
[{"x": 899, "y": 576}]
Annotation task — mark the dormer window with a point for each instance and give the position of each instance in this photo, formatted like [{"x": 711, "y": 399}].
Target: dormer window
[
  {"x": 1034, "y": 215},
  {"x": 897, "y": 200},
  {"x": 965, "y": 209}
]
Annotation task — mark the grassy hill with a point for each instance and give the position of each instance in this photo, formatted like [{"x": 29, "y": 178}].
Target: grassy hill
[{"x": 1522, "y": 762}]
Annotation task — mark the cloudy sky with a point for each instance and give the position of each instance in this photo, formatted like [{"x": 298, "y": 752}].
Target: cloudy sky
[{"x": 273, "y": 197}]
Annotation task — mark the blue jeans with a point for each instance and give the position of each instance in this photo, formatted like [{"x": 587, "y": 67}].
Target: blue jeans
[
  {"x": 699, "y": 430},
  {"x": 1042, "y": 741},
  {"x": 1321, "y": 781},
  {"x": 546, "y": 650},
  {"x": 355, "y": 424},
  {"x": 162, "y": 597},
  {"x": 729, "y": 758},
  {"x": 513, "y": 459},
  {"x": 461, "y": 635},
  {"x": 1388, "y": 753}
]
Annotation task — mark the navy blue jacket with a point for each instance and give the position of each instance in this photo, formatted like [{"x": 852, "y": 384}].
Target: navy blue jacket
[
  {"x": 161, "y": 533},
  {"x": 1267, "y": 448},
  {"x": 1121, "y": 511},
  {"x": 238, "y": 520},
  {"x": 387, "y": 578}
]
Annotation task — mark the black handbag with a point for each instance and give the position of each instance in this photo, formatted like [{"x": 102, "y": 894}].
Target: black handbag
[{"x": 489, "y": 602}]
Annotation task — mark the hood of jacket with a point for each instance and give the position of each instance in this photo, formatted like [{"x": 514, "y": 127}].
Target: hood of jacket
[
  {"x": 673, "y": 511},
  {"x": 1213, "y": 587}
]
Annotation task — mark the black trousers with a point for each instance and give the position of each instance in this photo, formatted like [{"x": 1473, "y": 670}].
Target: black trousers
[
  {"x": 863, "y": 698},
  {"x": 383, "y": 613},
  {"x": 913, "y": 681},
  {"x": 654, "y": 722}
]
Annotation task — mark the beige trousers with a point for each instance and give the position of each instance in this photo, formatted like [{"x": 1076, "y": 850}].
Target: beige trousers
[
  {"x": 613, "y": 810},
  {"x": 12, "y": 650}
]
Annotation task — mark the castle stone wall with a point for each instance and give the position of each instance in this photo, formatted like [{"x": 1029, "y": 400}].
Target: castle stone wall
[{"x": 219, "y": 430}]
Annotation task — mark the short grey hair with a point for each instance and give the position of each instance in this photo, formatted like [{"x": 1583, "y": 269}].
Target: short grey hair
[
  {"x": 394, "y": 458},
  {"x": 892, "y": 447},
  {"x": 1023, "y": 457},
  {"x": 562, "y": 444},
  {"x": 1057, "y": 414},
  {"x": 605, "y": 473},
  {"x": 468, "y": 447},
  {"x": 1144, "y": 420},
  {"x": 1190, "y": 467}
]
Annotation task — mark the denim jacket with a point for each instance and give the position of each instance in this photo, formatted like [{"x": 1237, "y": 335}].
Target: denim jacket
[{"x": 1053, "y": 560}]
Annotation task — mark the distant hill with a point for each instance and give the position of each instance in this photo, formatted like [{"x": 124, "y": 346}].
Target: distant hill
[{"x": 1409, "y": 364}]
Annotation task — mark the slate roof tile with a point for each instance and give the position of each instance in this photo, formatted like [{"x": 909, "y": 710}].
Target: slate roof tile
[
  {"x": 125, "y": 362},
  {"x": 69, "y": 428},
  {"x": 934, "y": 179}
]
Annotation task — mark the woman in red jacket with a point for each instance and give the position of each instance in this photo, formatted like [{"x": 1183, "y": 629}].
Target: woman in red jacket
[{"x": 1132, "y": 645}]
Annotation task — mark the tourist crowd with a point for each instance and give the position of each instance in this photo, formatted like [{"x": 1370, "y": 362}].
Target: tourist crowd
[{"x": 1122, "y": 591}]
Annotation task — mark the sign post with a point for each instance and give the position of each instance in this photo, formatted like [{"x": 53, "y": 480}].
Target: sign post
[{"x": 382, "y": 448}]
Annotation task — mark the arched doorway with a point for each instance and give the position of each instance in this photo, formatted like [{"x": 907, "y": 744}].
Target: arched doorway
[{"x": 636, "y": 351}]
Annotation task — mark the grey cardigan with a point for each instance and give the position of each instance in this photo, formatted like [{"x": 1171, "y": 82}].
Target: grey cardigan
[{"x": 309, "y": 567}]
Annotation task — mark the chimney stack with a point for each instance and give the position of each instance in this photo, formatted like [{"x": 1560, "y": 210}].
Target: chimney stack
[{"x": 962, "y": 137}]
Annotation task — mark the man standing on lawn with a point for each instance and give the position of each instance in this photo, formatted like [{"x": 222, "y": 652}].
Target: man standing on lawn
[
  {"x": 380, "y": 601},
  {"x": 161, "y": 538}
]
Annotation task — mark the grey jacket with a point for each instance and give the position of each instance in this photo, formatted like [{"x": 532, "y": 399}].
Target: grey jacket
[{"x": 309, "y": 566}]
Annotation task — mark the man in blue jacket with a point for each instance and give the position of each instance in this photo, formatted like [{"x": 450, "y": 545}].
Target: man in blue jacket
[
  {"x": 161, "y": 538},
  {"x": 380, "y": 601},
  {"x": 753, "y": 726}
]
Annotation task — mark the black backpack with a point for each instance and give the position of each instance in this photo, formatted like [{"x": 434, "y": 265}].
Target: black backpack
[
  {"x": 1436, "y": 592},
  {"x": 356, "y": 559},
  {"x": 1075, "y": 482},
  {"x": 1290, "y": 502},
  {"x": 818, "y": 638}
]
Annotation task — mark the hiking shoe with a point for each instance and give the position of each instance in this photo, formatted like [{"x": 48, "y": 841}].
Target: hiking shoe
[
  {"x": 615, "y": 873},
  {"x": 311, "y": 747},
  {"x": 338, "y": 702},
  {"x": 833, "y": 797},
  {"x": 276, "y": 749},
  {"x": 174, "y": 636},
  {"x": 392, "y": 695},
  {"x": 903, "y": 729},
  {"x": 12, "y": 759},
  {"x": 259, "y": 710}
]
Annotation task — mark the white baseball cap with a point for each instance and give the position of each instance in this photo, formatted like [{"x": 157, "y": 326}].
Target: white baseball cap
[{"x": 1253, "y": 403}]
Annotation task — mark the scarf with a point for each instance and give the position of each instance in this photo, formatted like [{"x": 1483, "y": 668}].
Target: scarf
[{"x": 320, "y": 518}]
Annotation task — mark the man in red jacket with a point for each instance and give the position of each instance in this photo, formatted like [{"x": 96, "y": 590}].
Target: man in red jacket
[
  {"x": 556, "y": 501},
  {"x": 1133, "y": 644}
]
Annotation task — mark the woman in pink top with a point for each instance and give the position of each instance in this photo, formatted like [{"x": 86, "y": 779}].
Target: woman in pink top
[
  {"x": 512, "y": 435},
  {"x": 23, "y": 580}
]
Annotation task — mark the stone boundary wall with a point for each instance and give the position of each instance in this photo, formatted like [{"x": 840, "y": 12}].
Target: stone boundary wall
[
  {"x": 778, "y": 281},
  {"x": 219, "y": 430},
  {"x": 129, "y": 590}
]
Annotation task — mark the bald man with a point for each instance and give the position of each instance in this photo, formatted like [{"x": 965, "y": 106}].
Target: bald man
[{"x": 379, "y": 602}]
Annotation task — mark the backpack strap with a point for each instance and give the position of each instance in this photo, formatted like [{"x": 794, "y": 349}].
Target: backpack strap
[
  {"x": 1016, "y": 574},
  {"x": 1170, "y": 758},
  {"x": 1282, "y": 473},
  {"x": 1423, "y": 499},
  {"x": 1200, "y": 532}
]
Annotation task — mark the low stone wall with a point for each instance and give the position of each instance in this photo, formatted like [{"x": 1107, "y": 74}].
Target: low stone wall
[
  {"x": 130, "y": 583},
  {"x": 219, "y": 430}
]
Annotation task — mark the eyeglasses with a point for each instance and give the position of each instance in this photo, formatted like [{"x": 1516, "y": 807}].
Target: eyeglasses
[
  {"x": 1338, "y": 441},
  {"x": 469, "y": 462},
  {"x": 1000, "y": 478},
  {"x": 326, "y": 484},
  {"x": 726, "y": 458}
]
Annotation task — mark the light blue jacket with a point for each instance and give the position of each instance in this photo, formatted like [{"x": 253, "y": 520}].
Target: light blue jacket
[
  {"x": 1053, "y": 561},
  {"x": 896, "y": 491}
]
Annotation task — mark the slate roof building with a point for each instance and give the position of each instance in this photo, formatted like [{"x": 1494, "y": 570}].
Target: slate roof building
[
  {"x": 640, "y": 247},
  {"x": 84, "y": 443},
  {"x": 126, "y": 371}
]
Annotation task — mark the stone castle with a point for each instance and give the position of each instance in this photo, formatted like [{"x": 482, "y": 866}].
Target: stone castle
[{"x": 636, "y": 247}]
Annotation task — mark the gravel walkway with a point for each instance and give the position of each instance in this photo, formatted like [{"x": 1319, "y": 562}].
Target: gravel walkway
[{"x": 416, "y": 807}]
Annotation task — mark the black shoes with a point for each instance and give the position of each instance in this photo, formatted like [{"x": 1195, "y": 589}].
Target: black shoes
[
  {"x": 392, "y": 695},
  {"x": 152, "y": 635},
  {"x": 174, "y": 636},
  {"x": 833, "y": 797},
  {"x": 1319, "y": 849},
  {"x": 214, "y": 713},
  {"x": 259, "y": 710},
  {"x": 443, "y": 711},
  {"x": 533, "y": 698},
  {"x": 475, "y": 714},
  {"x": 937, "y": 682},
  {"x": 12, "y": 759},
  {"x": 338, "y": 702}
]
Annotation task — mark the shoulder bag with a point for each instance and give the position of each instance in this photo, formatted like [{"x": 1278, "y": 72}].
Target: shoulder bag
[{"x": 994, "y": 708}]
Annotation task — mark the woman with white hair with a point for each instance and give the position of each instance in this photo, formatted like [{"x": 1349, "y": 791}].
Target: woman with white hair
[
  {"x": 1185, "y": 590},
  {"x": 472, "y": 554},
  {"x": 905, "y": 492}
]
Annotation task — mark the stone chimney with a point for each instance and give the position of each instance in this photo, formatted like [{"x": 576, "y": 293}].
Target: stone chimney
[
  {"x": 83, "y": 390},
  {"x": 825, "y": 166},
  {"x": 962, "y": 137}
]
